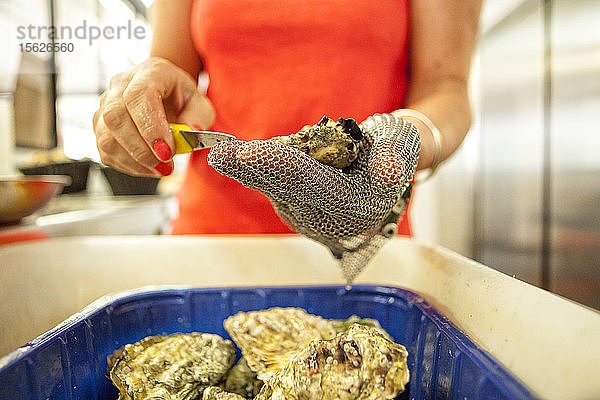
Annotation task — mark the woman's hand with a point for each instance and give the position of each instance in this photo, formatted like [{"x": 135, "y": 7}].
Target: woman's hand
[{"x": 131, "y": 124}]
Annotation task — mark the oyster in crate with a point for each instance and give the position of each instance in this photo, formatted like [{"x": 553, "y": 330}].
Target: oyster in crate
[
  {"x": 216, "y": 393},
  {"x": 359, "y": 364},
  {"x": 242, "y": 380},
  {"x": 269, "y": 338},
  {"x": 330, "y": 142},
  {"x": 174, "y": 367},
  {"x": 342, "y": 325}
]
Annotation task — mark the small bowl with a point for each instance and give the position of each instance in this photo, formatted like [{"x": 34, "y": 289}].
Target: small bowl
[{"x": 21, "y": 196}]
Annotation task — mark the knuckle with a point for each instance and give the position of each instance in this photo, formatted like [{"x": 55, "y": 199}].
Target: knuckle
[
  {"x": 135, "y": 93},
  {"x": 115, "y": 115},
  {"x": 106, "y": 159},
  {"x": 106, "y": 145},
  {"x": 95, "y": 119},
  {"x": 149, "y": 133},
  {"x": 143, "y": 156},
  {"x": 103, "y": 97},
  {"x": 114, "y": 81},
  {"x": 117, "y": 79},
  {"x": 153, "y": 68}
]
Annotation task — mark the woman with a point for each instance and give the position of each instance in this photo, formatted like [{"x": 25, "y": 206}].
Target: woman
[{"x": 275, "y": 66}]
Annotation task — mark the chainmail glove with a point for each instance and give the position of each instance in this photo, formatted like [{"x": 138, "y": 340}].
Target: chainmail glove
[{"x": 353, "y": 210}]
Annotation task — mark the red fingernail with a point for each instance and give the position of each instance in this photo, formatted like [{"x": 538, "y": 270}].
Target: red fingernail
[
  {"x": 164, "y": 168},
  {"x": 162, "y": 150},
  {"x": 197, "y": 127}
]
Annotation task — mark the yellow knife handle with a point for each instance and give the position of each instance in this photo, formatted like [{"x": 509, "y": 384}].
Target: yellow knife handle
[{"x": 181, "y": 144}]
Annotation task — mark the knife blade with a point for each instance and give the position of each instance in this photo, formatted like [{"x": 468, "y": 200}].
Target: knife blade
[{"x": 188, "y": 139}]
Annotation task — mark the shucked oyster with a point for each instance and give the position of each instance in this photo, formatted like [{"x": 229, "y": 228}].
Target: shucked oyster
[
  {"x": 216, "y": 393},
  {"x": 174, "y": 367},
  {"x": 242, "y": 380},
  {"x": 359, "y": 364},
  {"x": 332, "y": 143},
  {"x": 269, "y": 338}
]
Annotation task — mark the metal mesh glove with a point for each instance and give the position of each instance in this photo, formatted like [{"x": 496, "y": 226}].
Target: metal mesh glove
[{"x": 351, "y": 211}]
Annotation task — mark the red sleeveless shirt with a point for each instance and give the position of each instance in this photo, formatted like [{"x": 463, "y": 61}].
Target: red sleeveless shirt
[{"x": 275, "y": 66}]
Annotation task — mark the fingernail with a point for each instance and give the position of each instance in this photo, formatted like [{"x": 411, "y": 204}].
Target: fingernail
[
  {"x": 162, "y": 150},
  {"x": 164, "y": 169},
  {"x": 197, "y": 127}
]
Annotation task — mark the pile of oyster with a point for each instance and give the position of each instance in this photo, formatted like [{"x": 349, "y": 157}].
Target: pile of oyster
[{"x": 286, "y": 354}]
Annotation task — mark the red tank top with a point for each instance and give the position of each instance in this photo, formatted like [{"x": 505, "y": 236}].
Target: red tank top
[{"x": 275, "y": 66}]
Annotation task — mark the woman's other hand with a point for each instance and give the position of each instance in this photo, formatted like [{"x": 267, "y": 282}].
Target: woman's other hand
[{"x": 131, "y": 124}]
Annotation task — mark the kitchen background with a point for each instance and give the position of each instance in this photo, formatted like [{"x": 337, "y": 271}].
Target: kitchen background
[{"x": 522, "y": 195}]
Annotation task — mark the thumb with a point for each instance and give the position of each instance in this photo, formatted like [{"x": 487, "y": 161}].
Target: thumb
[{"x": 198, "y": 112}]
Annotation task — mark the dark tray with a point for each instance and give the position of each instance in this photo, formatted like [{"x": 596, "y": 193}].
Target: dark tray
[
  {"x": 77, "y": 170},
  {"x": 69, "y": 361}
]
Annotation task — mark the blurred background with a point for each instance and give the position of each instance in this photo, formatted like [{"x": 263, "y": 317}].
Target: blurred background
[{"x": 522, "y": 195}]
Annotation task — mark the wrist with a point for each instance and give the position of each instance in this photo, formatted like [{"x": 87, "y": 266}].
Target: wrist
[{"x": 430, "y": 156}]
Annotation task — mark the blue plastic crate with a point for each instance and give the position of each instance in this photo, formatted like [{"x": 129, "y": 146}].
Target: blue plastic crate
[{"x": 69, "y": 361}]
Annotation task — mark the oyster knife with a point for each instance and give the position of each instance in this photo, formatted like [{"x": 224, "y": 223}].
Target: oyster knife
[{"x": 188, "y": 139}]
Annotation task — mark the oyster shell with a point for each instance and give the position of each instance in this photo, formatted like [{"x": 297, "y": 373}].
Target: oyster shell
[
  {"x": 332, "y": 143},
  {"x": 216, "y": 393},
  {"x": 359, "y": 364},
  {"x": 242, "y": 380},
  {"x": 342, "y": 325},
  {"x": 269, "y": 338},
  {"x": 174, "y": 367}
]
